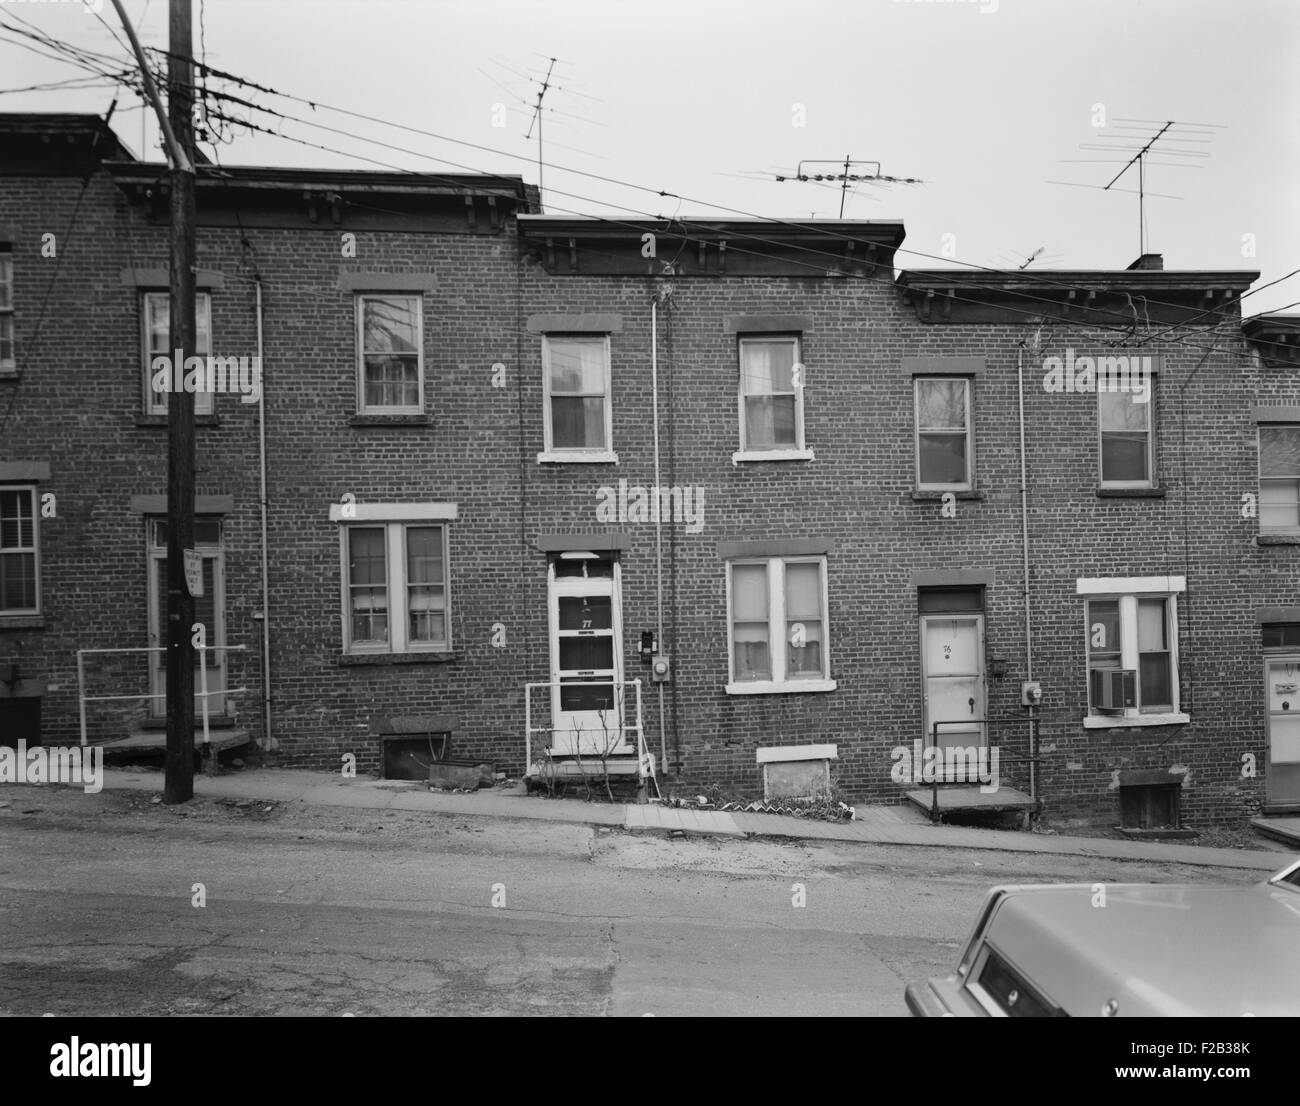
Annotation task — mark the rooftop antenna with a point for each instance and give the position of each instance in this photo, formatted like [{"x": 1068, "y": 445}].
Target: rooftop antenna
[
  {"x": 845, "y": 176},
  {"x": 546, "y": 83},
  {"x": 1174, "y": 136}
]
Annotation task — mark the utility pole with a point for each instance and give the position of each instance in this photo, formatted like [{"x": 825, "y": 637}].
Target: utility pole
[{"x": 178, "y": 786}]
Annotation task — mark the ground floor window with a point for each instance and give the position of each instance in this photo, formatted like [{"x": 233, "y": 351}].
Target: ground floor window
[{"x": 777, "y": 622}]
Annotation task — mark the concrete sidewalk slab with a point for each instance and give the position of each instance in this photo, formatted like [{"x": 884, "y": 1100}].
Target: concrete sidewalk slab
[{"x": 875, "y": 826}]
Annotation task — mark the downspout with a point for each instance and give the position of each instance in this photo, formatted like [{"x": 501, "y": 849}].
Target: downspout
[
  {"x": 269, "y": 744},
  {"x": 659, "y": 501},
  {"x": 1024, "y": 546}
]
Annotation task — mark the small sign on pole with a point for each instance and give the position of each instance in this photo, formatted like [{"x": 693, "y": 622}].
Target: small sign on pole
[{"x": 194, "y": 573}]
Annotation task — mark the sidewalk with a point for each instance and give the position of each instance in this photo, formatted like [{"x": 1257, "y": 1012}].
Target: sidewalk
[{"x": 892, "y": 825}]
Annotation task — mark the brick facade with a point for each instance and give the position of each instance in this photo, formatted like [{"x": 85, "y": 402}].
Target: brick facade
[{"x": 493, "y": 284}]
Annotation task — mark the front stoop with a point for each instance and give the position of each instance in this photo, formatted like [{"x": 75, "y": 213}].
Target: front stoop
[
  {"x": 1286, "y": 830},
  {"x": 969, "y": 799}
]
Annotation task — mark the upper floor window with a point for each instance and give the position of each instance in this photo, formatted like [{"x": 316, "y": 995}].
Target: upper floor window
[
  {"x": 7, "y": 361},
  {"x": 157, "y": 342},
  {"x": 578, "y": 419},
  {"x": 771, "y": 400},
  {"x": 943, "y": 438},
  {"x": 390, "y": 357},
  {"x": 395, "y": 588},
  {"x": 777, "y": 623},
  {"x": 19, "y": 590},
  {"x": 1127, "y": 437},
  {"x": 1279, "y": 479}
]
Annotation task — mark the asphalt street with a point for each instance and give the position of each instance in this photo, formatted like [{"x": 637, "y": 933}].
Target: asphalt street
[{"x": 113, "y": 905}]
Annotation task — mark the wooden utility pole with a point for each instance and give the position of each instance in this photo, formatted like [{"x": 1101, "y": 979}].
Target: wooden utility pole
[{"x": 178, "y": 786}]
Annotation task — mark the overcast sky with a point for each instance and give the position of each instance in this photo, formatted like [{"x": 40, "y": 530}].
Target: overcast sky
[{"x": 984, "y": 100}]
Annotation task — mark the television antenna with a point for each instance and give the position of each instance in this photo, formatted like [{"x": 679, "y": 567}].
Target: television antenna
[
  {"x": 1174, "y": 139},
  {"x": 844, "y": 177}
]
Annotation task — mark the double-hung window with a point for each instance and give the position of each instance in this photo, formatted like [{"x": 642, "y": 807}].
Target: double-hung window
[
  {"x": 777, "y": 622},
  {"x": 19, "y": 581},
  {"x": 395, "y": 582},
  {"x": 578, "y": 420},
  {"x": 1126, "y": 436},
  {"x": 771, "y": 399},
  {"x": 157, "y": 340},
  {"x": 1132, "y": 653},
  {"x": 8, "y": 362},
  {"x": 390, "y": 355},
  {"x": 1279, "y": 479},
  {"x": 944, "y": 454}
]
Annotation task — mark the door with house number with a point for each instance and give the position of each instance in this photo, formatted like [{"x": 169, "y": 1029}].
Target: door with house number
[
  {"x": 1282, "y": 675},
  {"x": 586, "y": 656},
  {"x": 953, "y": 673},
  {"x": 209, "y": 609}
]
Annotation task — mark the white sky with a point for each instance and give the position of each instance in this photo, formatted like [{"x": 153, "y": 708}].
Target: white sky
[{"x": 678, "y": 96}]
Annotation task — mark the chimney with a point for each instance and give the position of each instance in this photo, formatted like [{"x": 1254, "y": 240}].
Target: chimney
[{"x": 1149, "y": 261}]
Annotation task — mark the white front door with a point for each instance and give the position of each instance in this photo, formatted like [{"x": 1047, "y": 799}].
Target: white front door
[
  {"x": 1282, "y": 677},
  {"x": 952, "y": 656},
  {"x": 209, "y": 609},
  {"x": 587, "y": 700}
]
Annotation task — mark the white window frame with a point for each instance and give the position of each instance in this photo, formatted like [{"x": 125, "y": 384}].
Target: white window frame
[
  {"x": 395, "y": 581},
  {"x": 154, "y": 402},
  {"x": 779, "y": 684},
  {"x": 1150, "y": 407},
  {"x": 800, "y": 452},
  {"x": 571, "y": 454},
  {"x": 9, "y": 364},
  {"x": 1259, "y": 466},
  {"x": 35, "y": 550},
  {"x": 360, "y": 310},
  {"x": 1127, "y": 590},
  {"x": 969, "y": 483}
]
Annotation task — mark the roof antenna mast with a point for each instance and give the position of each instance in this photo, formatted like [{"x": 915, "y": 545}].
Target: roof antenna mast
[{"x": 537, "y": 118}]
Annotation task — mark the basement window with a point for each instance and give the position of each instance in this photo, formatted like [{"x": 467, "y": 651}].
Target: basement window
[
  {"x": 1150, "y": 806},
  {"x": 407, "y": 756}
]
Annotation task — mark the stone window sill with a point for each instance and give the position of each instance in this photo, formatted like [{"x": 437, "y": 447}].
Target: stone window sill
[
  {"x": 21, "y": 622},
  {"x": 928, "y": 496},
  {"x": 390, "y": 420},
  {"x": 576, "y": 457},
  {"x": 1130, "y": 493},
  {"x": 360, "y": 660},
  {"x": 748, "y": 455},
  {"x": 161, "y": 420},
  {"x": 1278, "y": 539},
  {"x": 771, "y": 687},
  {"x": 1126, "y": 722}
]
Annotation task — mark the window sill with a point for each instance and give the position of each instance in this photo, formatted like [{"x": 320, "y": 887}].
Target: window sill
[
  {"x": 161, "y": 420},
  {"x": 772, "y": 455},
  {"x": 925, "y": 495},
  {"x": 10, "y": 374},
  {"x": 576, "y": 457},
  {"x": 361, "y": 660},
  {"x": 21, "y": 622},
  {"x": 771, "y": 687},
  {"x": 1277, "y": 539},
  {"x": 1126, "y": 722},
  {"x": 390, "y": 420},
  {"x": 1130, "y": 493}
]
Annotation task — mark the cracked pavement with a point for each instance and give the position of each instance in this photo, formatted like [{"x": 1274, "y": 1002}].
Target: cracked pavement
[{"x": 330, "y": 911}]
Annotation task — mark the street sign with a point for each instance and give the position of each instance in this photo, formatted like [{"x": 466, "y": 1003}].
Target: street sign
[{"x": 194, "y": 573}]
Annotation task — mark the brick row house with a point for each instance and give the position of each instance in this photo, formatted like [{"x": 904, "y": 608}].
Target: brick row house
[{"x": 734, "y": 500}]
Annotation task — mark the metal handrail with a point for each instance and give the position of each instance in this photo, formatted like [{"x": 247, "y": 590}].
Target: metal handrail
[
  {"x": 625, "y": 727},
  {"x": 1031, "y": 756},
  {"x": 203, "y": 694}
]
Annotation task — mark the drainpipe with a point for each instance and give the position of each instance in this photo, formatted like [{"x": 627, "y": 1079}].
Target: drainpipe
[
  {"x": 659, "y": 501},
  {"x": 1024, "y": 546},
  {"x": 266, "y": 598}
]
